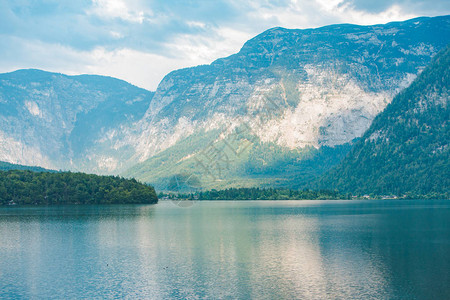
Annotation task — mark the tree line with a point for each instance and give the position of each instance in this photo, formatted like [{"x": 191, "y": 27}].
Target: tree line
[{"x": 261, "y": 194}]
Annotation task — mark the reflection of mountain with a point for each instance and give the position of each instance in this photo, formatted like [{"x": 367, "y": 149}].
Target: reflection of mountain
[
  {"x": 239, "y": 250},
  {"x": 413, "y": 244},
  {"x": 252, "y": 250}
]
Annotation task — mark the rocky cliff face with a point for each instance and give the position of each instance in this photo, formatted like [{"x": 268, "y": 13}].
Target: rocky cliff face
[
  {"x": 406, "y": 149},
  {"x": 293, "y": 89},
  {"x": 56, "y": 121}
]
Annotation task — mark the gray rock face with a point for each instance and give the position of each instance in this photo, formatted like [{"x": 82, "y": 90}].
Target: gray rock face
[
  {"x": 58, "y": 121},
  {"x": 406, "y": 149},
  {"x": 295, "y": 88}
]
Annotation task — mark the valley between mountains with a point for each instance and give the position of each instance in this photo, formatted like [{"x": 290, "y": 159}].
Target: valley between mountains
[{"x": 293, "y": 108}]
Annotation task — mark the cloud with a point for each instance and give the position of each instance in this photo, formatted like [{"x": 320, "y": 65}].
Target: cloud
[
  {"x": 111, "y": 9},
  {"x": 142, "y": 40},
  {"x": 137, "y": 67},
  {"x": 421, "y": 7}
]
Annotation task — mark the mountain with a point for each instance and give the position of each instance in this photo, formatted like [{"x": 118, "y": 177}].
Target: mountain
[
  {"x": 406, "y": 149},
  {"x": 58, "y": 121},
  {"x": 283, "y": 110}
]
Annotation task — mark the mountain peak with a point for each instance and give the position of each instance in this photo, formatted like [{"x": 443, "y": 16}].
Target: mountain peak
[
  {"x": 299, "y": 92},
  {"x": 58, "y": 121}
]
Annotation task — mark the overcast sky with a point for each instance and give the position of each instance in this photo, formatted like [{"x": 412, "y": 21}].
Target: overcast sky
[{"x": 140, "y": 41}]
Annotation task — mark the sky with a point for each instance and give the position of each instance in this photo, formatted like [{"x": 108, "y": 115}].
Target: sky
[{"x": 141, "y": 41}]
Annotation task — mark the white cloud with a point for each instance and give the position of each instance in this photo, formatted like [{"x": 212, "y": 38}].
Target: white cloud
[
  {"x": 116, "y": 35},
  {"x": 142, "y": 40},
  {"x": 198, "y": 49},
  {"x": 139, "y": 68},
  {"x": 393, "y": 13},
  {"x": 117, "y": 9}
]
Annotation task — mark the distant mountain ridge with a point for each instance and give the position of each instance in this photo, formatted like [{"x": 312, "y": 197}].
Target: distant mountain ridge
[
  {"x": 56, "y": 121},
  {"x": 406, "y": 150}
]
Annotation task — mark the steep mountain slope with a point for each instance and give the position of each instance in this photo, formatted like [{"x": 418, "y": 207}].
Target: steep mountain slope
[
  {"x": 58, "y": 121},
  {"x": 406, "y": 150},
  {"x": 297, "y": 94}
]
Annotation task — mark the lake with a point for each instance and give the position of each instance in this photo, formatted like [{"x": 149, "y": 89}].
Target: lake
[{"x": 228, "y": 249}]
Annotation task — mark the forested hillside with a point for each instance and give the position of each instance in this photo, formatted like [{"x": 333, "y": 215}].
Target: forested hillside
[
  {"x": 43, "y": 188},
  {"x": 406, "y": 150}
]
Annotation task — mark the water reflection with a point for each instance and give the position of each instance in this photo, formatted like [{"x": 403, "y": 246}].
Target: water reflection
[{"x": 263, "y": 250}]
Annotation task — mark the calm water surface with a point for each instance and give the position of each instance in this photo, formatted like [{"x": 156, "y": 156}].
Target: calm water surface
[{"x": 255, "y": 249}]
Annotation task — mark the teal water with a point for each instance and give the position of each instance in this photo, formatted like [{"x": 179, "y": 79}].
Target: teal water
[{"x": 236, "y": 250}]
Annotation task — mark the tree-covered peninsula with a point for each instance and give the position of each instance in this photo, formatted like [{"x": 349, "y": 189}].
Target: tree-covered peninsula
[{"x": 46, "y": 188}]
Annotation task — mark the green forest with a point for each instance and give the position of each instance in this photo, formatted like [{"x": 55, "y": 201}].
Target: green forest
[{"x": 45, "y": 188}]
